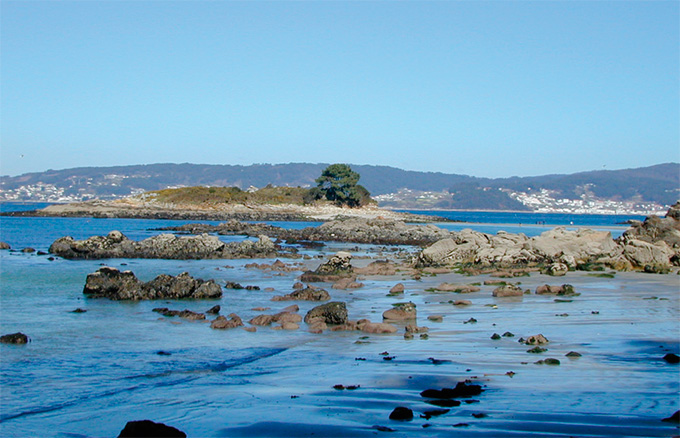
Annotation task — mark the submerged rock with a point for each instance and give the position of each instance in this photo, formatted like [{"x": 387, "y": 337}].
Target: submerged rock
[
  {"x": 148, "y": 428},
  {"x": 111, "y": 283}
]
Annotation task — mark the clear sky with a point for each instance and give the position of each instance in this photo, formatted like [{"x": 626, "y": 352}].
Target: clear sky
[{"x": 483, "y": 88}]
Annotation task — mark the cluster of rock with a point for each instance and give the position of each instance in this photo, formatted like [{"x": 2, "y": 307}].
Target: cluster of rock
[
  {"x": 163, "y": 246},
  {"x": 111, "y": 283},
  {"x": 653, "y": 246},
  {"x": 356, "y": 229}
]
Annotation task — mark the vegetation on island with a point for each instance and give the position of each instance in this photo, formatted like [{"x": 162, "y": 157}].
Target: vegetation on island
[{"x": 337, "y": 184}]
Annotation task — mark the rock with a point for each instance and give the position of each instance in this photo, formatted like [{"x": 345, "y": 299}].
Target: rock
[
  {"x": 335, "y": 268},
  {"x": 307, "y": 294},
  {"x": 379, "y": 267},
  {"x": 572, "y": 248},
  {"x": 147, "y": 428},
  {"x": 436, "y": 318},
  {"x": 28, "y": 250},
  {"x": 537, "y": 350},
  {"x": 401, "y": 414},
  {"x": 14, "y": 338},
  {"x": 233, "y": 285},
  {"x": 548, "y": 361},
  {"x": 675, "y": 418},
  {"x": 162, "y": 246},
  {"x": 462, "y": 302},
  {"x": 317, "y": 325},
  {"x": 508, "y": 290},
  {"x": 573, "y": 354},
  {"x": 462, "y": 390},
  {"x": 222, "y": 322},
  {"x": 78, "y": 310},
  {"x": 557, "y": 269},
  {"x": 671, "y": 358},
  {"x": 214, "y": 310},
  {"x": 458, "y": 288},
  {"x": 4, "y": 245},
  {"x": 111, "y": 283},
  {"x": 415, "y": 329},
  {"x": 347, "y": 283},
  {"x": 641, "y": 253},
  {"x": 262, "y": 320},
  {"x": 563, "y": 290},
  {"x": 536, "y": 340},
  {"x": 401, "y": 312},
  {"x": 334, "y": 312},
  {"x": 495, "y": 336},
  {"x": 397, "y": 289},
  {"x": 379, "y": 327}
]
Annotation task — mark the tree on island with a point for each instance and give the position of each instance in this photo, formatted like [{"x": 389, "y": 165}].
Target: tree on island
[{"x": 338, "y": 184}]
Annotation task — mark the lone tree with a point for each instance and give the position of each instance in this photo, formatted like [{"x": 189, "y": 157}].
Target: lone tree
[{"x": 338, "y": 183}]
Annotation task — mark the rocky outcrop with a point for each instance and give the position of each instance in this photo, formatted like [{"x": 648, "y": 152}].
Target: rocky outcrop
[
  {"x": 652, "y": 245},
  {"x": 4, "y": 245},
  {"x": 163, "y": 246},
  {"x": 377, "y": 230},
  {"x": 111, "y": 283}
]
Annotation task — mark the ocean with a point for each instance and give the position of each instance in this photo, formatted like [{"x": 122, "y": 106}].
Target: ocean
[{"x": 87, "y": 374}]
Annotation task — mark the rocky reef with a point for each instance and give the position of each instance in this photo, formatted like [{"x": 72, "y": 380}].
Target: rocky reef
[
  {"x": 113, "y": 284},
  {"x": 651, "y": 246},
  {"x": 163, "y": 246}
]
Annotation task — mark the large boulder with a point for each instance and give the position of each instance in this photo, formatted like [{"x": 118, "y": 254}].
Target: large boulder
[
  {"x": 641, "y": 253},
  {"x": 5, "y": 245},
  {"x": 111, "y": 283},
  {"x": 573, "y": 248},
  {"x": 334, "y": 312}
]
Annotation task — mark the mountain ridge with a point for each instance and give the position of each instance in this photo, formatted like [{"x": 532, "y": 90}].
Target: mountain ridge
[{"x": 654, "y": 187}]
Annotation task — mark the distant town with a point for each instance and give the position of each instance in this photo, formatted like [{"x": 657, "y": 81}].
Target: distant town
[{"x": 541, "y": 201}]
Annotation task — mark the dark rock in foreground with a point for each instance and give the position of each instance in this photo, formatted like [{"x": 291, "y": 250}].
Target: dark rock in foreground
[
  {"x": 675, "y": 418},
  {"x": 147, "y": 428},
  {"x": 163, "y": 246},
  {"x": 116, "y": 285},
  {"x": 401, "y": 414},
  {"x": 14, "y": 338}
]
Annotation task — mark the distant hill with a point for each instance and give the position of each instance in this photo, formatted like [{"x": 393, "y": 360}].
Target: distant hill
[{"x": 648, "y": 187}]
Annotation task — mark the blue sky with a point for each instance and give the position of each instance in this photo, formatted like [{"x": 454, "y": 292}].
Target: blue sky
[{"x": 488, "y": 88}]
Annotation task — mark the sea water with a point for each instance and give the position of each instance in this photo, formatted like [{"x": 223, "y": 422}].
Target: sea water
[{"x": 87, "y": 374}]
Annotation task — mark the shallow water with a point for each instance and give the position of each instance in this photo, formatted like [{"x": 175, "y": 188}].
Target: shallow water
[{"x": 87, "y": 374}]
